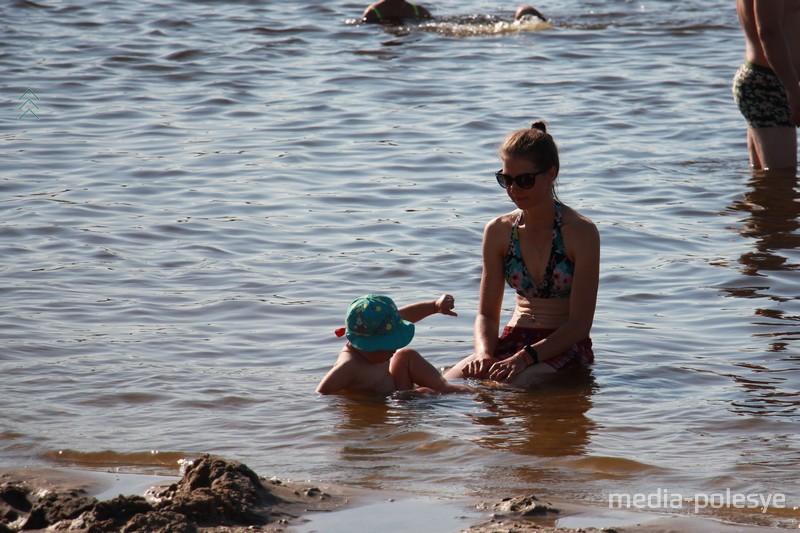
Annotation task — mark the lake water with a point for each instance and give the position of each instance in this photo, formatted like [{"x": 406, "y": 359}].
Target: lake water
[{"x": 201, "y": 188}]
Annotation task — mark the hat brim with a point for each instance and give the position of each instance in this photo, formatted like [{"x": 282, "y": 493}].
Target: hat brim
[{"x": 399, "y": 338}]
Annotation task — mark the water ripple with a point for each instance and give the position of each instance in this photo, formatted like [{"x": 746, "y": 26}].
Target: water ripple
[{"x": 206, "y": 189}]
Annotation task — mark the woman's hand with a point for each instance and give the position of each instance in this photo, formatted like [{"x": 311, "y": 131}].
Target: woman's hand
[
  {"x": 478, "y": 366},
  {"x": 445, "y": 305},
  {"x": 506, "y": 369}
]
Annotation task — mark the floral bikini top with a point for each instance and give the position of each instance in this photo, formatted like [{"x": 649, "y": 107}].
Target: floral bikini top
[{"x": 557, "y": 279}]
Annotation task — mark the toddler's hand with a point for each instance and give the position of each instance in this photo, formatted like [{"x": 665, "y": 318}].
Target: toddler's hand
[{"x": 445, "y": 305}]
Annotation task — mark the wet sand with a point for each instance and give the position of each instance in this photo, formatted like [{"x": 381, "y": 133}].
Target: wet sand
[{"x": 296, "y": 507}]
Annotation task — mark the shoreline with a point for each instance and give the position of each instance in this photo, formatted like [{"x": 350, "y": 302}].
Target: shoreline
[{"x": 305, "y": 507}]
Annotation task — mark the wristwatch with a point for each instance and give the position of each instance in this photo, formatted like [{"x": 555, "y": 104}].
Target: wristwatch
[{"x": 530, "y": 352}]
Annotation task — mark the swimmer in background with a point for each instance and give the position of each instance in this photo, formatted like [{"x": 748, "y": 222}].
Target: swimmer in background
[
  {"x": 394, "y": 12},
  {"x": 528, "y": 11},
  {"x": 397, "y": 11}
]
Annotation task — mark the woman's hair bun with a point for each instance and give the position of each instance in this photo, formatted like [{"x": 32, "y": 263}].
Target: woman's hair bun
[{"x": 539, "y": 125}]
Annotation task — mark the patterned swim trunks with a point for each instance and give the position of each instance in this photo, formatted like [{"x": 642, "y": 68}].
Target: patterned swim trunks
[
  {"x": 761, "y": 97},
  {"x": 514, "y": 339}
]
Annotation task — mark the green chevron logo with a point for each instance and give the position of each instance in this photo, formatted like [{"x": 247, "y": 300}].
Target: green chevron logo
[{"x": 28, "y": 104}]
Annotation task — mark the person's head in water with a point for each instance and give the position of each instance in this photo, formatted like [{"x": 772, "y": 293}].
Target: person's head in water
[
  {"x": 534, "y": 145},
  {"x": 529, "y": 11},
  {"x": 394, "y": 12}
]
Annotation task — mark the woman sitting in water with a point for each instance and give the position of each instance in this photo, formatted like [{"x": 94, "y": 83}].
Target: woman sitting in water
[
  {"x": 550, "y": 255},
  {"x": 394, "y": 12}
]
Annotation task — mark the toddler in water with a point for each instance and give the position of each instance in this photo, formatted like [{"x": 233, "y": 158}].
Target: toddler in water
[{"x": 375, "y": 358}]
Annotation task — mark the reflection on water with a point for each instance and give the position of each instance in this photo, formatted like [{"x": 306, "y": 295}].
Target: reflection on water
[
  {"x": 550, "y": 421},
  {"x": 772, "y": 206},
  {"x": 361, "y": 412},
  {"x": 530, "y": 435},
  {"x": 200, "y": 197}
]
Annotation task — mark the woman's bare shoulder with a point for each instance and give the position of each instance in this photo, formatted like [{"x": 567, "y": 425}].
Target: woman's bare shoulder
[
  {"x": 502, "y": 222},
  {"x": 497, "y": 232},
  {"x": 579, "y": 229},
  {"x": 571, "y": 217}
]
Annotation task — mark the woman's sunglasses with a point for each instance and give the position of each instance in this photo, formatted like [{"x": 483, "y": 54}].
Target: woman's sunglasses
[{"x": 523, "y": 181}]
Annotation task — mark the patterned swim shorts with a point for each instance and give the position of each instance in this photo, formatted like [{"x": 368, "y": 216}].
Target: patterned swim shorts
[
  {"x": 513, "y": 340},
  {"x": 761, "y": 97}
]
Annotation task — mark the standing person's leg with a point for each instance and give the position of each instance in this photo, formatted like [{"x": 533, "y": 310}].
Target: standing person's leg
[
  {"x": 771, "y": 137},
  {"x": 773, "y": 148},
  {"x": 755, "y": 160}
]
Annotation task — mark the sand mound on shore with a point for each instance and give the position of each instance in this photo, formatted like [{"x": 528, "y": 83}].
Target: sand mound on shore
[
  {"x": 216, "y": 495},
  {"x": 213, "y": 494}
]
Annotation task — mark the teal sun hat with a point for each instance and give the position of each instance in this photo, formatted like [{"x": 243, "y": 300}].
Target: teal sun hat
[{"x": 374, "y": 323}]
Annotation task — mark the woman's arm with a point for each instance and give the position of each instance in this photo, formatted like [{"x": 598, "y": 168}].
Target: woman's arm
[
  {"x": 487, "y": 321},
  {"x": 490, "y": 302}
]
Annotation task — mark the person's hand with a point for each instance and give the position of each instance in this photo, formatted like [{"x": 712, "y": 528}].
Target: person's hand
[
  {"x": 506, "y": 369},
  {"x": 478, "y": 367},
  {"x": 445, "y": 305}
]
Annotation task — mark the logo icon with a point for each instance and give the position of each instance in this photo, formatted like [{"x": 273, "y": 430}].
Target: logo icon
[{"x": 28, "y": 104}]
